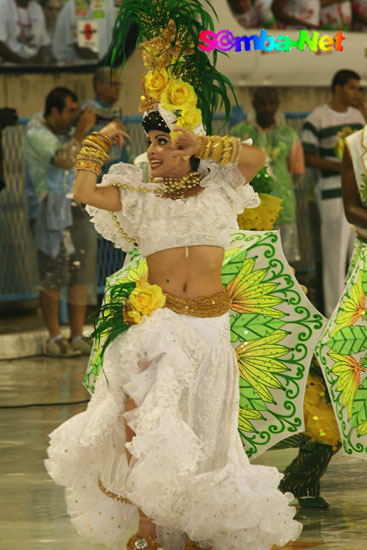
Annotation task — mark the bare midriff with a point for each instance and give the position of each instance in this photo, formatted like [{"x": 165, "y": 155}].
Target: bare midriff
[{"x": 187, "y": 272}]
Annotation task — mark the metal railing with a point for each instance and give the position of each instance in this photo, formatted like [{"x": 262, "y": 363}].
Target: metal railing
[{"x": 18, "y": 265}]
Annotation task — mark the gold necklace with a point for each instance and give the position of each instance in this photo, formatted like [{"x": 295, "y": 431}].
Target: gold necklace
[{"x": 175, "y": 188}]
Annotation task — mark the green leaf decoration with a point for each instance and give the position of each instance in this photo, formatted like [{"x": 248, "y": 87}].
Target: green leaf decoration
[
  {"x": 349, "y": 340},
  {"x": 353, "y": 307},
  {"x": 250, "y": 292},
  {"x": 229, "y": 253},
  {"x": 348, "y": 371},
  {"x": 362, "y": 429},
  {"x": 257, "y": 363},
  {"x": 232, "y": 267},
  {"x": 249, "y": 398},
  {"x": 359, "y": 409},
  {"x": 244, "y": 417},
  {"x": 253, "y": 326}
]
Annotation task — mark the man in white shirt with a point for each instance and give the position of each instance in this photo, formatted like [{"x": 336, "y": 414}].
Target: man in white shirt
[
  {"x": 23, "y": 36},
  {"x": 323, "y": 140},
  {"x": 65, "y": 38}
]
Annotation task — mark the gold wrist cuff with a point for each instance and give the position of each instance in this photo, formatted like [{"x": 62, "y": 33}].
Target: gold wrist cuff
[
  {"x": 88, "y": 166},
  {"x": 223, "y": 150}
]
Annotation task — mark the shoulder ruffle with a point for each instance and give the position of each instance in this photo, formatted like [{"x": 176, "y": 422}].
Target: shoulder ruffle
[
  {"x": 228, "y": 177},
  {"x": 129, "y": 216}
]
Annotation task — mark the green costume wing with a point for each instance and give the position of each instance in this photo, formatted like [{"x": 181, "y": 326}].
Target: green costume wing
[
  {"x": 342, "y": 353},
  {"x": 274, "y": 329}
]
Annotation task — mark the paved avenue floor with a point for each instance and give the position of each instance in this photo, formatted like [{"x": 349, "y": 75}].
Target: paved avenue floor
[{"x": 32, "y": 509}]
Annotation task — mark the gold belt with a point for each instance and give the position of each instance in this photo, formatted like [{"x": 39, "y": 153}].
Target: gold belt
[{"x": 214, "y": 305}]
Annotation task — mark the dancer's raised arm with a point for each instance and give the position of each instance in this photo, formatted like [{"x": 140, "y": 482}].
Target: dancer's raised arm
[
  {"x": 224, "y": 150},
  {"x": 89, "y": 161}
]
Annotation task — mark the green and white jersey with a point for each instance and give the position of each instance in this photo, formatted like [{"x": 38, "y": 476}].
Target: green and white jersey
[{"x": 325, "y": 130}]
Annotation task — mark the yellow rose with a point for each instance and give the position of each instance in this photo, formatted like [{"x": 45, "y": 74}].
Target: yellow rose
[
  {"x": 156, "y": 82},
  {"x": 190, "y": 118},
  {"x": 178, "y": 95},
  {"x": 146, "y": 298}
]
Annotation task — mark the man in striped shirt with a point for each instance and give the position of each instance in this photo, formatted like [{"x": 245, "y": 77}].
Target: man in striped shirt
[{"x": 323, "y": 139}]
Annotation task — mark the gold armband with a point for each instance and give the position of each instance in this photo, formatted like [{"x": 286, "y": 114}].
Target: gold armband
[
  {"x": 94, "y": 153},
  {"x": 223, "y": 150}
]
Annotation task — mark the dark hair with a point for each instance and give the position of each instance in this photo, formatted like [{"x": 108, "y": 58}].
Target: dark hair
[
  {"x": 102, "y": 74},
  {"x": 265, "y": 89},
  {"x": 154, "y": 121},
  {"x": 194, "y": 163},
  {"x": 341, "y": 78},
  {"x": 56, "y": 98}
]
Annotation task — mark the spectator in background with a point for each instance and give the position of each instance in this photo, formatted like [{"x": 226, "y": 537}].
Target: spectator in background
[
  {"x": 359, "y": 20},
  {"x": 65, "y": 238},
  {"x": 107, "y": 86},
  {"x": 336, "y": 15},
  {"x": 65, "y": 38},
  {"x": 51, "y": 10},
  {"x": 323, "y": 138},
  {"x": 284, "y": 158},
  {"x": 297, "y": 13},
  {"x": 23, "y": 36},
  {"x": 245, "y": 13},
  {"x": 254, "y": 13},
  {"x": 265, "y": 14}
]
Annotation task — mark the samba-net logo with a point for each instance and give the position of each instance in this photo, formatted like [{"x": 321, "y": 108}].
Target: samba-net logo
[{"x": 224, "y": 41}]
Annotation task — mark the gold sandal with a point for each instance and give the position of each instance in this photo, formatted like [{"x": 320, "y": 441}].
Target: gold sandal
[{"x": 142, "y": 543}]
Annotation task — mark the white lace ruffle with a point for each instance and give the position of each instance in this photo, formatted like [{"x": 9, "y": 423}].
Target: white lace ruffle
[
  {"x": 189, "y": 471},
  {"x": 159, "y": 224}
]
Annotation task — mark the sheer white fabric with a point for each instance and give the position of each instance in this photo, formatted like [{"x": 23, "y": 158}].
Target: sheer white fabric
[
  {"x": 159, "y": 224},
  {"x": 189, "y": 472}
]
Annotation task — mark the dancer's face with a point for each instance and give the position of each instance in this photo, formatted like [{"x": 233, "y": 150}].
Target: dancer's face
[{"x": 162, "y": 162}]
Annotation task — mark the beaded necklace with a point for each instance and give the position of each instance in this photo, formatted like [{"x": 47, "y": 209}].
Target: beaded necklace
[{"x": 173, "y": 188}]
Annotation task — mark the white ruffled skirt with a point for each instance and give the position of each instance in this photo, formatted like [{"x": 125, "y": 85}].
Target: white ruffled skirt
[{"x": 189, "y": 472}]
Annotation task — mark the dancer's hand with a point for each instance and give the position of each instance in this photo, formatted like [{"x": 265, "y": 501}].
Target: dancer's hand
[
  {"x": 115, "y": 131},
  {"x": 185, "y": 143}
]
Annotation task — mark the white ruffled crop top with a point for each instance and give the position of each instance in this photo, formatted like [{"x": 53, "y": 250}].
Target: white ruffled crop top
[{"x": 156, "y": 223}]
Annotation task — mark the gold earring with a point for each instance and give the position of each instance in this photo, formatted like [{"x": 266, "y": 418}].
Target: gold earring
[{"x": 186, "y": 157}]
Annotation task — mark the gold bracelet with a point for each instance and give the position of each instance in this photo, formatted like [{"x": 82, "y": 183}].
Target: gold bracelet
[
  {"x": 223, "y": 150},
  {"x": 90, "y": 159},
  {"x": 227, "y": 150},
  {"x": 97, "y": 140},
  {"x": 93, "y": 156},
  {"x": 237, "y": 154},
  {"x": 217, "y": 150},
  {"x": 200, "y": 147},
  {"x": 87, "y": 142},
  {"x": 88, "y": 166},
  {"x": 208, "y": 147},
  {"x": 103, "y": 137},
  {"x": 93, "y": 152}
]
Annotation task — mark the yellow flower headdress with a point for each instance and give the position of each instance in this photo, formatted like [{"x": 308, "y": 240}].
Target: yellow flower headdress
[{"x": 180, "y": 83}]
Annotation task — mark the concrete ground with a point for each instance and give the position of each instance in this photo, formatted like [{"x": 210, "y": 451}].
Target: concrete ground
[{"x": 32, "y": 508}]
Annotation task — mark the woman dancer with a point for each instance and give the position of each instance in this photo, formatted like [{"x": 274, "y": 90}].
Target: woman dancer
[{"x": 173, "y": 375}]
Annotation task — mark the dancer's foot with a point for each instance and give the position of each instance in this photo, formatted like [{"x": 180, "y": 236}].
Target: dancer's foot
[
  {"x": 145, "y": 539},
  {"x": 139, "y": 543},
  {"x": 146, "y": 527},
  {"x": 313, "y": 502}
]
